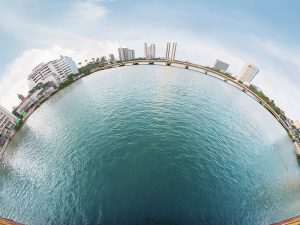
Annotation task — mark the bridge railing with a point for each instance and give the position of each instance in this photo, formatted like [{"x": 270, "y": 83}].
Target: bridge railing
[{"x": 244, "y": 87}]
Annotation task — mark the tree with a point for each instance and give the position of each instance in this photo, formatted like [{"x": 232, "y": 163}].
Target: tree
[{"x": 70, "y": 77}]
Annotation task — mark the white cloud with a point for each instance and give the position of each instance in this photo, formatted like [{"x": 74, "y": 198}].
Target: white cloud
[
  {"x": 88, "y": 10},
  {"x": 14, "y": 79},
  {"x": 288, "y": 54},
  {"x": 82, "y": 30}
]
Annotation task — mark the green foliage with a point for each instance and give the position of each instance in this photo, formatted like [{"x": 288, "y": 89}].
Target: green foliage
[
  {"x": 224, "y": 73},
  {"x": 18, "y": 125},
  {"x": 271, "y": 103}
]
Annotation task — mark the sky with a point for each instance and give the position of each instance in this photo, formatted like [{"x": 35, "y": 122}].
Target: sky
[{"x": 261, "y": 32}]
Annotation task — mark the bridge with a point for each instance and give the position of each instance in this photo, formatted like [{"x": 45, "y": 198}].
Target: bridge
[{"x": 211, "y": 72}]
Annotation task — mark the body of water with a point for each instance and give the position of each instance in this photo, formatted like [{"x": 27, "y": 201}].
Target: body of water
[{"x": 150, "y": 145}]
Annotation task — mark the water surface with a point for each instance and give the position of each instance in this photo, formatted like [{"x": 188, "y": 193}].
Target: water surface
[{"x": 150, "y": 145}]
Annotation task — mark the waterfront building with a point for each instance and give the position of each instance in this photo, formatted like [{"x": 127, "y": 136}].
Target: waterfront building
[
  {"x": 7, "y": 122},
  {"x": 21, "y": 97},
  {"x": 126, "y": 54},
  {"x": 248, "y": 73},
  {"x": 28, "y": 103},
  {"x": 221, "y": 66},
  {"x": 149, "y": 51},
  {"x": 55, "y": 71},
  {"x": 111, "y": 57}
]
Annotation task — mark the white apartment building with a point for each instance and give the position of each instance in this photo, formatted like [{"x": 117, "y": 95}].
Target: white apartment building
[
  {"x": 220, "y": 65},
  {"x": 149, "y": 51},
  {"x": 7, "y": 122},
  {"x": 126, "y": 54},
  {"x": 56, "y": 71},
  {"x": 248, "y": 73}
]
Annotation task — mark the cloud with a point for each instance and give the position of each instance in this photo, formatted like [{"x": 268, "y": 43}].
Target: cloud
[
  {"x": 14, "y": 78},
  {"x": 81, "y": 28},
  {"x": 288, "y": 54},
  {"x": 89, "y": 10}
]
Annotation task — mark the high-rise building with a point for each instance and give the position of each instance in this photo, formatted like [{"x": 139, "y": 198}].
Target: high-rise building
[
  {"x": 145, "y": 50},
  {"x": 221, "y": 66},
  {"x": 7, "y": 122},
  {"x": 131, "y": 54},
  {"x": 247, "y": 74},
  {"x": 126, "y": 54},
  {"x": 56, "y": 71},
  {"x": 102, "y": 59},
  {"x": 21, "y": 97},
  {"x": 149, "y": 51},
  {"x": 173, "y": 52},
  {"x": 111, "y": 57}
]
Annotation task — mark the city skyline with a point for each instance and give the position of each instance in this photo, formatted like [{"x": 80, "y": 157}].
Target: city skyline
[{"x": 274, "y": 51}]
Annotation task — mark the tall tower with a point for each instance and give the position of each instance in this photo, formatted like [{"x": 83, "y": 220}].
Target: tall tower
[
  {"x": 145, "y": 50},
  {"x": 21, "y": 97},
  {"x": 173, "y": 52},
  {"x": 149, "y": 51},
  {"x": 248, "y": 73},
  {"x": 152, "y": 51}
]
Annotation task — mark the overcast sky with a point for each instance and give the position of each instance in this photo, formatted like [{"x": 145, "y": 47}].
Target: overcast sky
[{"x": 263, "y": 32}]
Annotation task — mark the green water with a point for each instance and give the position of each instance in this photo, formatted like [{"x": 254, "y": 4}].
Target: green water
[{"x": 150, "y": 145}]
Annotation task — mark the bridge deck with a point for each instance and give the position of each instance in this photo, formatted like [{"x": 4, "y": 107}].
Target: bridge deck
[{"x": 205, "y": 69}]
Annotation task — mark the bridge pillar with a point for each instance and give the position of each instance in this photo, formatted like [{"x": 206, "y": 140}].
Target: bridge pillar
[{"x": 186, "y": 65}]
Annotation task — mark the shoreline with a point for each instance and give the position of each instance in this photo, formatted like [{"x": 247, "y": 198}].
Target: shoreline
[
  {"x": 297, "y": 146},
  {"x": 3, "y": 149},
  {"x": 187, "y": 65}
]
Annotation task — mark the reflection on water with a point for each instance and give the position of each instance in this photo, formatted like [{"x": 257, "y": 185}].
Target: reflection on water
[{"x": 150, "y": 145}]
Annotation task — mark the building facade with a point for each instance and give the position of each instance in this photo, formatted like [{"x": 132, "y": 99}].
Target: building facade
[
  {"x": 149, "y": 51},
  {"x": 54, "y": 71},
  {"x": 221, "y": 66},
  {"x": 7, "y": 122},
  {"x": 27, "y": 103},
  {"x": 248, "y": 73},
  {"x": 111, "y": 57},
  {"x": 126, "y": 54}
]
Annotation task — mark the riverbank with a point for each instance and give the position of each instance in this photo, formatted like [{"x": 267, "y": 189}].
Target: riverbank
[
  {"x": 2, "y": 150},
  {"x": 178, "y": 138},
  {"x": 297, "y": 146},
  {"x": 262, "y": 99}
]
